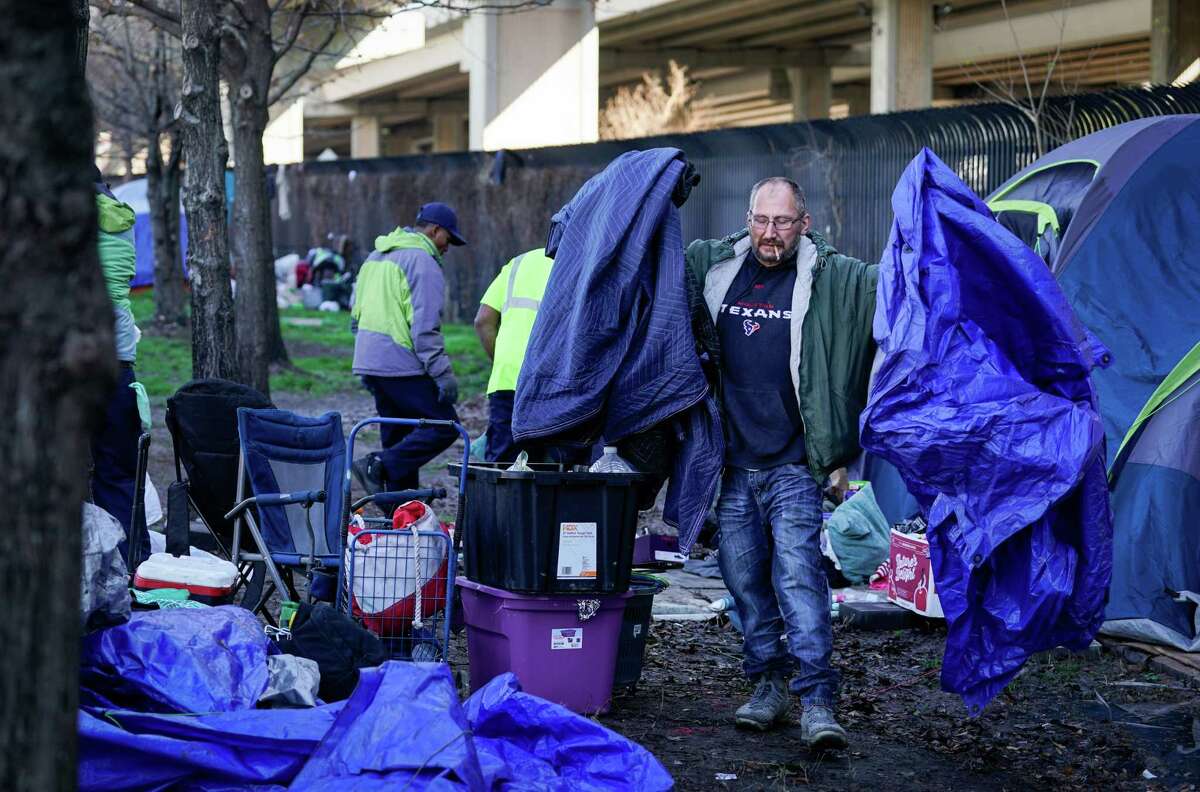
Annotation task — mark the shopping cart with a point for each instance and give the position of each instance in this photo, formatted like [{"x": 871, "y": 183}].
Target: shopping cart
[{"x": 398, "y": 579}]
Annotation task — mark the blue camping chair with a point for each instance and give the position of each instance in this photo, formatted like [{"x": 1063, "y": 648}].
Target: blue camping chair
[{"x": 294, "y": 467}]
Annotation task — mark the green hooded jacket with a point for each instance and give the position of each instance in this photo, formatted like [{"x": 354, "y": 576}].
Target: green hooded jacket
[
  {"x": 833, "y": 348},
  {"x": 398, "y": 300},
  {"x": 118, "y": 263}
]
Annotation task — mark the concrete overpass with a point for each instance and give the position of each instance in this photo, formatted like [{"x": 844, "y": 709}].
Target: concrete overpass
[{"x": 540, "y": 77}]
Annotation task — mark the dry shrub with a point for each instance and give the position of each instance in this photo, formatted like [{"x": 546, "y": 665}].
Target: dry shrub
[{"x": 651, "y": 107}]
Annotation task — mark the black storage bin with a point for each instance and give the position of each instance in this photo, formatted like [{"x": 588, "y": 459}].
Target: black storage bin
[
  {"x": 533, "y": 532},
  {"x": 631, "y": 648}
]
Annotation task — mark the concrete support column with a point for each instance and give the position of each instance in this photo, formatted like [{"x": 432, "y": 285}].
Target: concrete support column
[
  {"x": 1174, "y": 38},
  {"x": 449, "y": 133},
  {"x": 901, "y": 55},
  {"x": 364, "y": 137},
  {"x": 535, "y": 77},
  {"x": 857, "y": 97},
  {"x": 812, "y": 92}
]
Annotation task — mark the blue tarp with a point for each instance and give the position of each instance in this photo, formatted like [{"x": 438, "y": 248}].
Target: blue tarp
[
  {"x": 194, "y": 677},
  {"x": 985, "y": 404},
  {"x": 203, "y": 660},
  {"x": 403, "y": 728}
]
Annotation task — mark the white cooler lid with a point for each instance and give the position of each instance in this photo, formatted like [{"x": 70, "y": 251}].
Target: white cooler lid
[{"x": 195, "y": 570}]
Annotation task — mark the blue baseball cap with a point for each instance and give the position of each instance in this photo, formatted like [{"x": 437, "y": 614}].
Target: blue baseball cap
[{"x": 442, "y": 215}]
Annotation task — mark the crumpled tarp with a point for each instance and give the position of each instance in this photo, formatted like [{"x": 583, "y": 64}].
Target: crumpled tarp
[
  {"x": 403, "y": 728},
  {"x": 178, "y": 660},
  {"x": 527, "y": 743},
  {"x": 984, "y": 402},
  {"x": 104, "y": 580}
]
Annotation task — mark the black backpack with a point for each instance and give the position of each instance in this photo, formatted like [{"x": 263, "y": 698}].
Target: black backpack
[{"x": 338, "y": 645}]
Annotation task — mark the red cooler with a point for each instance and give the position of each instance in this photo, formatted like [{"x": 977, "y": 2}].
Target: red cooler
[{"x": 207, "y": 578}]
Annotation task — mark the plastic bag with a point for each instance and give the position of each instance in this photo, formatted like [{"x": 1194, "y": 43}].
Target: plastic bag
[{"x": 104, "y": 580}]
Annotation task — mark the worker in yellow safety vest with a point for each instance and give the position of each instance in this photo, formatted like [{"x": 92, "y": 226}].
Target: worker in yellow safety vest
[{"x": 504, "y": 324}]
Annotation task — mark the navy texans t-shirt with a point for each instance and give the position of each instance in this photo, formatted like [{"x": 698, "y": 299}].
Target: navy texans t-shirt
[{"x": 762, "y": 418}]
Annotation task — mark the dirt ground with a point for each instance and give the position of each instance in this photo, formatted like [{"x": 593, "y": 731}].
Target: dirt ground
[
  {"x": 1073, "y": 722},
  {"x": 1077, "y": 722}
]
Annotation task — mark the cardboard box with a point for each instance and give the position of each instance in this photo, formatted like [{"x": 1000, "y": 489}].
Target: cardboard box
[{"x": 910, "y": 584}]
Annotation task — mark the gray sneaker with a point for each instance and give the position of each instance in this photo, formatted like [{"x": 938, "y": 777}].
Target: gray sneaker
[
  {"x": 820, "y": 730},
  {"x": 769, "y": 704}
]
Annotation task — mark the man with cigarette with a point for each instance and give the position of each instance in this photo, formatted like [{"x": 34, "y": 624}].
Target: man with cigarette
[{"x": 794, "y": 321}]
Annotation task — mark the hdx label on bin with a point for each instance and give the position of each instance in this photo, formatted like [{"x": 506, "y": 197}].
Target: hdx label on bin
[
  {"x": 566, "y": 638},
  {"x": 577, "y": 551}
]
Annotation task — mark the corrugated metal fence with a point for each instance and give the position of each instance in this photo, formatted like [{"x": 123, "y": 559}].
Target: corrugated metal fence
[{"x": 848, "y": 169}]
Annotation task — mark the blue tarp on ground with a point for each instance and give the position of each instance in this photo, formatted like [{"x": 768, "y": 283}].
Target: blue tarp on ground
[
  {"x": 985, "y": 404},
  {"x": 208, "y": 660},
  {"x": 403, "y": 727}
]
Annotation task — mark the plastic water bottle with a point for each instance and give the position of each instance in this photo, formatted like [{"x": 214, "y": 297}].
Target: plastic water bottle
[{"x": 611, "y": 462}]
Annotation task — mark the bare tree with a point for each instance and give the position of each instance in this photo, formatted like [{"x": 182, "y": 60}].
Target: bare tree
[
  {"x": 652, "y": 107},
  {"x": 134, "y": 75},
  {"x": 57, "y": 364},
  {"x": 213, "y": 350},
  {"x": 1052, "y": 126},
  {"x": 265, "y": 49}
]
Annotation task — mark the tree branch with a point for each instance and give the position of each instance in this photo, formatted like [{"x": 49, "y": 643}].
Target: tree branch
[
  {"x": 152, "y": 12},
  {"x": 293, "y": 32},
  {"x": 285, "y": 84}
]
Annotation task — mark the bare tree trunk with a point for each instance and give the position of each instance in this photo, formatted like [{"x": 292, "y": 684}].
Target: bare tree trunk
[
  {"x": 83, "y": 15},
  {"x": 259, "y": 338},
  {"x": 213, "y": 352},
  {"x": 162, "y": 193},
  {"x": 57, "y": 364}
]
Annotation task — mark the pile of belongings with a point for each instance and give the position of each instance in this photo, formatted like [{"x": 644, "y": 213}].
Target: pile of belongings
[{"x": 174, "y": 699}]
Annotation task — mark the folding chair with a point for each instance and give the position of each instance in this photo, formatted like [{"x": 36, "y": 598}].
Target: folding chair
[
  {"x": 293, "y": 466},
  {"x": 202, "y": 419}
]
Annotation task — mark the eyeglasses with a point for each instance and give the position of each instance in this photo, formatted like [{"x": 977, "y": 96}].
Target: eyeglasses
[{"x": 781, "y": 223}]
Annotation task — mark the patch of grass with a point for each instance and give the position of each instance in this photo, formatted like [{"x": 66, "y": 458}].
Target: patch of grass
[
  {"x": 165, "y": 362},
  {"x": 332, "y": 331},
  {"x": 471, "y": 364}
]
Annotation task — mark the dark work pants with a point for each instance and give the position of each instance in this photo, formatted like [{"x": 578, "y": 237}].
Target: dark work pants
[
  {"x": 406, "y": 449},
  {"x": 114, "y": 457},
  {"x": 500, "y": 444}
]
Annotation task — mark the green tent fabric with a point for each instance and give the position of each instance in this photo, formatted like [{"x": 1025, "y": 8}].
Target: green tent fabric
[
  {"x": 1183, "y": 371},
  {"x": 860, "y": 535}
]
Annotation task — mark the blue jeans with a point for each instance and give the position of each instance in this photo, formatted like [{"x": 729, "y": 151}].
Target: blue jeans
[{"x": 770, "y": 556}]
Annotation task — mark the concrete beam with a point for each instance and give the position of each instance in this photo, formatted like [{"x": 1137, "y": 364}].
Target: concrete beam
[
  {"x": 416, "y": 108},
  {"x": 1095, "y": 22},
  {"x": 386, "y": 74},
  {"x": 734, "y": 57},
  {"x": 1174, "y": 38}
]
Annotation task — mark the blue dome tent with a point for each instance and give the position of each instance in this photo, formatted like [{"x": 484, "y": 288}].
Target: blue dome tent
[
  {"x": 1155, "y": 483},
  {"x": 1116, "y": 215},
  {"x": 134, "y": 194}
]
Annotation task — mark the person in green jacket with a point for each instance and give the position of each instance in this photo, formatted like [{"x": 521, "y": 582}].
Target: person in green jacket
[
  {"x": 793, "y": 319},
  {"x": 399, "y": 351},
  {"x": 114, "y": 444}
]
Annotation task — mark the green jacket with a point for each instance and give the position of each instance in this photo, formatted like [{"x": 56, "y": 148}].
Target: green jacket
[
  {"x": 397, "y": 310},
  {"x": 118, "y": 263},
  {"x": 833, "y": 307}
]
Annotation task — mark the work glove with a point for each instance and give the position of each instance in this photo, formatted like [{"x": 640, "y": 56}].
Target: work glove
[
  {"x": 683, "y": 188},
  {"x": 448, "y": 390}
]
